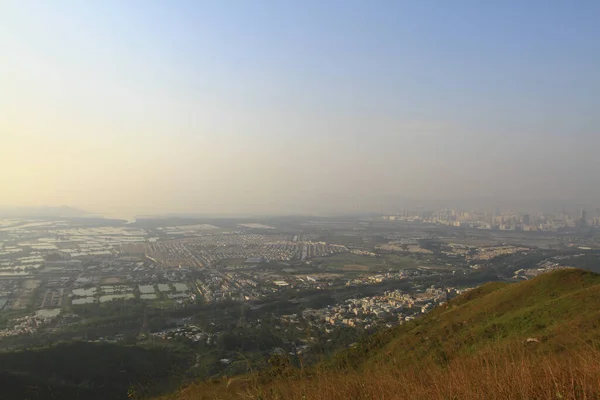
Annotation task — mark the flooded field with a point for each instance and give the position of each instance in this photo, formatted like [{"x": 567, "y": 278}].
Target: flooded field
[
  {"x": 14, "y": 273},
  {"x": 83, "y": 300},
  {"x": 181, "y": 287},
  {"x": 110, "y": 297},
  {"x": 146, "y": 289},
  {"x": 84, "y": 292},
  {"x": 116, "y": 289},
  {"x": 163, "y": 287},
  {"x": 178, "y": 296}
]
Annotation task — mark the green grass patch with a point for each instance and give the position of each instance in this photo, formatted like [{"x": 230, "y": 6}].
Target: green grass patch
[{"x": 349, "y": 262}]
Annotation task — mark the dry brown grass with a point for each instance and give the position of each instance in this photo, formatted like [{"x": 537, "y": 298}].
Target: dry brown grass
[
  {"x": 512, "y": 374},
  {"x": 473, "y": 348}
]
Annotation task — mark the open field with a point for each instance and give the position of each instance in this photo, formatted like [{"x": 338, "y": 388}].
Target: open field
[
  {"x": 31, "y": 284},
  {"x": 494, "y": 238},
  {"x": 396, "y": 261},
  {"x": 112, "y": 280},
  {"x": 351, "y": 262},
  {"x": 354, "y": 267}
]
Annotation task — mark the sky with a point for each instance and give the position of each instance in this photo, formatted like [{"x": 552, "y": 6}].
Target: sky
[{"x": 275, "y": 107}]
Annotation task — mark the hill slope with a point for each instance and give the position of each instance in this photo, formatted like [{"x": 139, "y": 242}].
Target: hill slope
[
  {"x": 80, "y": 370},
  {"x": 533, "y": 339}
]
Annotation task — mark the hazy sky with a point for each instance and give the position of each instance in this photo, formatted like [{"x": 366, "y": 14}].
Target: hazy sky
[{"x": 296, "y": 106}]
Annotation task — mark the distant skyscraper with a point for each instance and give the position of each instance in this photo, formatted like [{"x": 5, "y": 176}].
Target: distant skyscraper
[
  {"x": 583, "y": 218},
  {"x": 526, "y": 219}
]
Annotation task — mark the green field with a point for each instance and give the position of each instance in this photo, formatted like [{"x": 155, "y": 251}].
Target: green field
[
  {"x": 349, "y": 262},
  {"x": 352, "y": 263}
]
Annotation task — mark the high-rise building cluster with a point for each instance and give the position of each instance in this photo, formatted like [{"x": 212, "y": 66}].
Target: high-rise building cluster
[{"x": 507, "y": 220}]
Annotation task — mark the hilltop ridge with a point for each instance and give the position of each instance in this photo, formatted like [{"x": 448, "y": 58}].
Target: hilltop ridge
[{"x": 532, "y": 339}]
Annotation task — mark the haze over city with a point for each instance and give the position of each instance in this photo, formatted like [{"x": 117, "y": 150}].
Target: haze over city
[
  {"x": 296, "y": 107},
  {"x": 299, "y": 200}
]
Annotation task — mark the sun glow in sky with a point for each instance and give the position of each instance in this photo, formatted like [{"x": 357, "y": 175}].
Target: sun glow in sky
[{"x": 312, "y": 106}]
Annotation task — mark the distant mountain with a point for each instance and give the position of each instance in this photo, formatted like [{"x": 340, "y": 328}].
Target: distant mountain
[
  {"x": 536, "y": 339},
  {"x": 43, "y": 212}
]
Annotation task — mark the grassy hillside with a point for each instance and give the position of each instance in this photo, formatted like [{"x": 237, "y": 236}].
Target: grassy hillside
[{"x": 536, "y": 339}]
